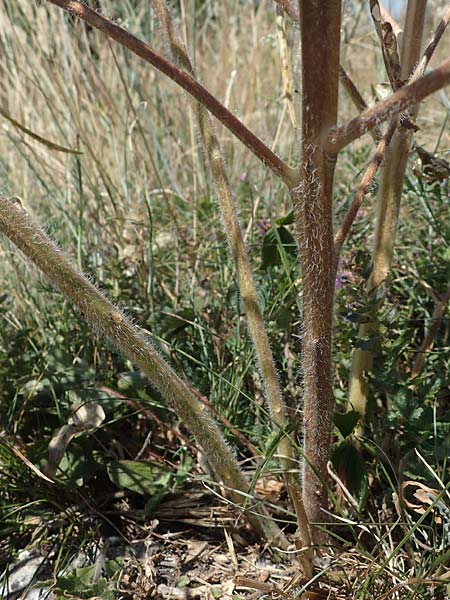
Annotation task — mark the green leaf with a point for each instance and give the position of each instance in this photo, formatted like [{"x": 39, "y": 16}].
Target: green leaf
[
  {"x": 287, "y": 220},
  {"x": 346, "y": 422},
  {"x": 113, "y": 566},
  {"x": 78, "y": 464},
  {"x": 350, "y": 465},
  {"x": 367, "y": 343},
  {"x": 80, "y": 584},
  {"x": 132, "y": 380},
  {"x": 275, "y": 241},
  {"x": 174, "y": 323},
  {"x": 183, "y": 581},
  {"x": 144, "y": 478}
]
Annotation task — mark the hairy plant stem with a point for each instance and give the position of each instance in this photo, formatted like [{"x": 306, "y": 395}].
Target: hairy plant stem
[
  {"x": 391, "y": 188},
  {"x": 404, "y": 98},
  {"x": 364, "y": 187},
  {"x": 312, "y": 200},
  {"x": 109, "y": 321},
  {"x": 355, "y": 96},
  {"x": 247, "y": 289},
  {"x": 184, "y": 80}
]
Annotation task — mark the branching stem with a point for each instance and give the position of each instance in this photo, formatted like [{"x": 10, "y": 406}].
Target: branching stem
[
  {"x": 104, "y": 317},
  {"x": 364, "y": 187},
  {"x": 184, "y": 80},
  {"x": 339, "y": 137},
  {"x": 247, "y": 288}
]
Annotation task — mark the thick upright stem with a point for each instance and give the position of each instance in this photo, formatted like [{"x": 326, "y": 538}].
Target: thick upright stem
[
  {"x": 103, "y": 316},
  {"x": 312, "y": 200},
  {"x": 247, "y": 289},
  {"x": 391, "y": 189}
]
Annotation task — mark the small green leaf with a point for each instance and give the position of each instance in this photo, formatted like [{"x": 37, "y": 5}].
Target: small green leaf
[
  {"x": 144, "y": 478},
  {"x": 346, "y": 422},
  {"x": 183, "y": 581},
  {"x": 287, "y": 220},
  {"x": 366, "y": 343},
  {"x": 275, "y": 240},
  {"x": 174, "y": 323},
  {"x": 351, "y": 468},
  {"x": 131, "y": 380}
]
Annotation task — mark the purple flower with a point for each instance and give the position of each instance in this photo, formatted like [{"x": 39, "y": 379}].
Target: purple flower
[
  {"x": 184, "y": 233},
  {"x": 262, "y": 227},
  {"x": 342, "y": 278}
]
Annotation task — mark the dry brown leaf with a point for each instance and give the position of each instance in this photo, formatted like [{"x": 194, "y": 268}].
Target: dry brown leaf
[
  {"x": 87, "y": 416},
  {"x": 389, "y": 38}
]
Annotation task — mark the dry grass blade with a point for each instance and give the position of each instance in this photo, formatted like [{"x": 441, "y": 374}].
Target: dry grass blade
[
  {"x": 286, "y": 69},
  {"x": 36, "y": 136},
  {"x": 20, "y": 455},
  {"x": 184, "y": 80}
]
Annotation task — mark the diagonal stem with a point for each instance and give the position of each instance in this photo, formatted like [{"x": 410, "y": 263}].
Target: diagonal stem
[
  {"x": 184, "y": 80},
  {"x": 357, "y": 99},
  {"x": 105, "y": 318},
  {"x": 364, "y": 187},
  {"x": 431, "y": 47},
  {"x": 339, "y": 137},
  {"x": 247, "y": 288}
]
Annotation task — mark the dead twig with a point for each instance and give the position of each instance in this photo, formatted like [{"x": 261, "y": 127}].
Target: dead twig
[{"x": 431, "y": 47}]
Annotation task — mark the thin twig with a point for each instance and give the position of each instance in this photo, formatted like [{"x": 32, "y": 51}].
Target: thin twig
[
  {"x": 355, "y": 96},
  {"x": 290, "y": 8},
  {"x": 436, "y": 320},
  {"x": 410, "y": 94},
  {"x": 431, "y": 47},
  {"x": 184, "y": 80},
  {"x": 364, "y": 187},
  {"x": 247, "y": 287}
]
